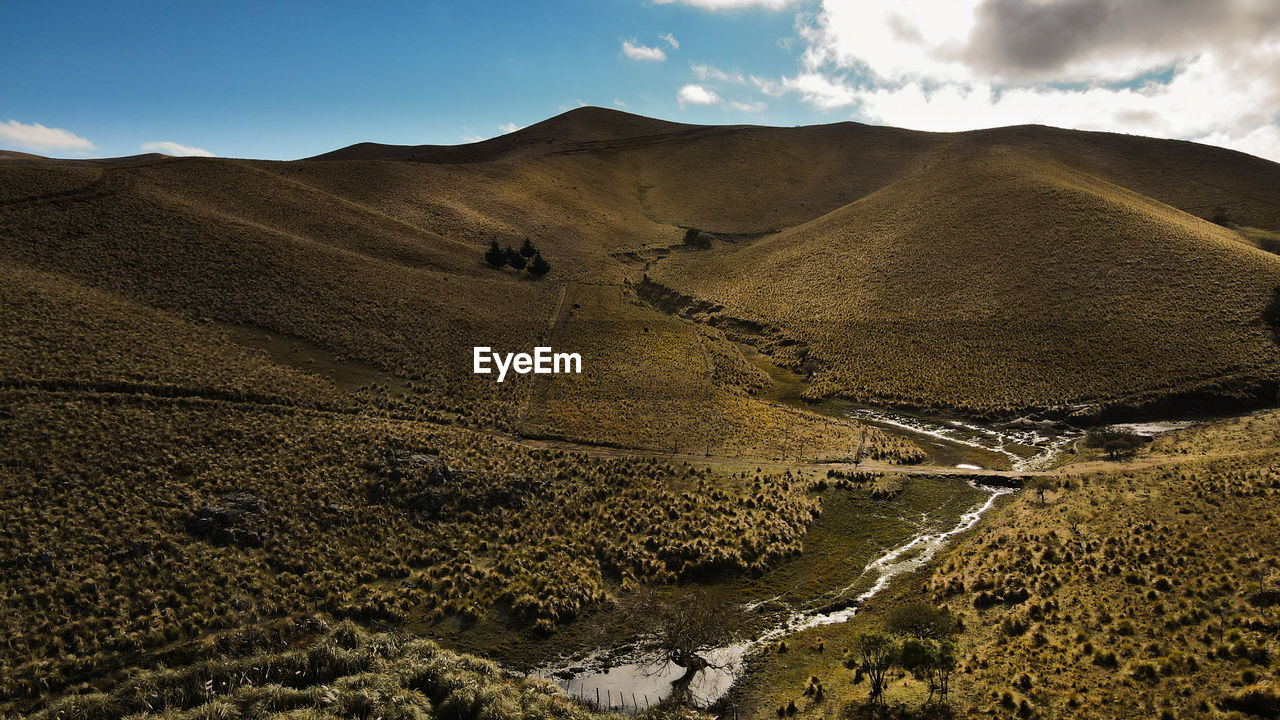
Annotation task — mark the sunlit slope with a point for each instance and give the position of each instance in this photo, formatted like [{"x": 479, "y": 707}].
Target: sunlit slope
[
  {"x": 59, "y": 335},
  {"x": 997, "y": 281},
  {"x": 654, "y": 382},
  {"x": 979, "y": 270},
  {"x": 1195, "y": 178},
  {"x": 213, "y": 239}
]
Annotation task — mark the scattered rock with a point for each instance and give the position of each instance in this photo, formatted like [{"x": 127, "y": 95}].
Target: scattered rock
[{"x": 237, "y": 519}]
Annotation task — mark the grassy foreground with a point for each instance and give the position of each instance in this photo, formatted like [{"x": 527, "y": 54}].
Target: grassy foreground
[
  {"x": 340, "y": 672},
  {"x": 1146, "y": 591},
  {"x": 136, "y": 522}
]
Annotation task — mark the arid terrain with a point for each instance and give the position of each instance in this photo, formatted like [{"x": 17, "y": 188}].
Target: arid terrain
[{"x": 246, "y": 468}]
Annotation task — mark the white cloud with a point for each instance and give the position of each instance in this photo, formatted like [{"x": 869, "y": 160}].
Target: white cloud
[
  {"x": 694, "y": 94},
  {"x": 642, "y": 52},
  {"x": 889, "y": 40},
  {"x": 820, "y": 91},
  {"x": 730, "y": 4},
  {"x": 173, "y": 148},
  {"x": 38, "y": 137},
  {"x": 617, "y": 102},
  {"x": 509, "y": 128},
  {"x": 1263, "y": 141},
  {"x": 767, "y": 86},
  {"x": 697, "y": 95},
  {"x": 472, "y": 138},
  {"x": 1027, "y": 40},
  {"x": 671, "y": 40},
  {"x": 1191, "y": 70},
  {"x": 706, "y": 73}
]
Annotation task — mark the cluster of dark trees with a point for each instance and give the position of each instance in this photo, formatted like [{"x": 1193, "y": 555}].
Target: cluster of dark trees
[
  {"x": 528, "y": 256},
  {"x": 695, "y": 238},
  {"x": 1116, "y": 442},
  {"x": 917, "y": 638}
]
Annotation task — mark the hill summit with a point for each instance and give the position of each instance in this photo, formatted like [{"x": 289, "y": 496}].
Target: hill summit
[{"x": 993, "y": 272}]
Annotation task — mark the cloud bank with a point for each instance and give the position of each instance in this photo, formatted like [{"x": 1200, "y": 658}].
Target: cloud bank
[
  {"x": 40, "y": 138},
  {"x": 173, "y": 148},
  {"x": 1206, "y": 71}
]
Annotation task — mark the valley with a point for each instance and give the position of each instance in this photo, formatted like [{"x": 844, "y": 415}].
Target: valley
[{"x": 827, "y": 373}]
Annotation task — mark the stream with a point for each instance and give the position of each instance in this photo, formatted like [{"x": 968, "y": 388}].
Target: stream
[
  {"x": 1045, "y": 439},
  {"x": 1034, "y": 444},
  {"x": 631, "y": 687}
]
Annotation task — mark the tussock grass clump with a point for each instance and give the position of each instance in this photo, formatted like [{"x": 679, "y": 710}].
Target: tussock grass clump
[
  {"x": 1139, "y": 585},
  {"x": 345, "y": 672},
  {"x": 125, "y": 521}
]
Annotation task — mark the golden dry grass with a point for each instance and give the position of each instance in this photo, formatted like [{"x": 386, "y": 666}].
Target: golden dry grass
[
  {"x": 340, "y": 671},
  {"x": 56, "y": 333},
  {"x": 360, "y": 517},
  {"x": 1133, "y": 593},
  {"x": 999, "y": 282},
  {"x": 673, "y": 386},
  {"x": 1142, "y": 590},
  {"x": 1028, "y": 266},
  {"x": 989, "y": 272},
  {"x": 214, "y": 239}
]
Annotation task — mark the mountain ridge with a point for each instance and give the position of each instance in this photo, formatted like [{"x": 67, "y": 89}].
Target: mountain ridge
[{"x": 378, "y": 260}]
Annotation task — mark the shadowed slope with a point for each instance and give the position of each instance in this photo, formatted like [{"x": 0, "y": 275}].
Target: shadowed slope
[
  {"x": 211, "y": 238},
  {"x": 57, "y": 334},
  {"x": 576, "y": 129}
]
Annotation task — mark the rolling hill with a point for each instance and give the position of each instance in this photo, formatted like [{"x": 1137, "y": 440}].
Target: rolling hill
[
  {"x": 238, "y": 405},
  {"x": 993, "y": 272},
  {"x": 999, "y": 280}
]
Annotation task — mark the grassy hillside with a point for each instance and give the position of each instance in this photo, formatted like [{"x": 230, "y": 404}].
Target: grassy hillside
[
  {"x": 1149, "y": 592},
  {"x": 239, "y": 393},
  {"x": 678, "y": 387},
  {"x": 61, "y": 335},
  {"x": 339, "y": 671},
  {"x": 135, "y": 521},
  {"x": 213, "y": 239},
  {"x": 989, "y": 271},
  {"x": 1001, "y": 281},
  {"x": 1146, "y": 588}
]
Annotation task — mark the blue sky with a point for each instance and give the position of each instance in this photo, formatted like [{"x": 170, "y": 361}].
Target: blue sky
[
  {"x": 286, "y": 80},
  {"x": 291, "y": 79}
]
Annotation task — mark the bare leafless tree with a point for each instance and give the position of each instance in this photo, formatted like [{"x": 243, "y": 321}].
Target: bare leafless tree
[{"x": 682, "y": 627}]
